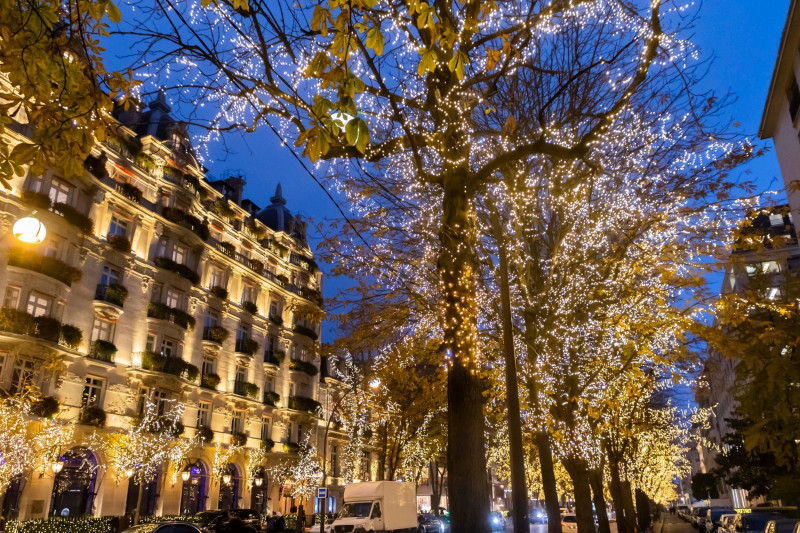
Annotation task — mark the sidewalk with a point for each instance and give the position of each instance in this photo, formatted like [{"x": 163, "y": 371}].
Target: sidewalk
[{"x": 672, "y": 524}]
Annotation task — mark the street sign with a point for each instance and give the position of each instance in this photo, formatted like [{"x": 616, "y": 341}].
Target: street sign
[{"x": 322, "y": 493}]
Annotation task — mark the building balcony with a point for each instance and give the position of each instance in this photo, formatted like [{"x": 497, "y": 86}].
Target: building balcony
[
  {"x": 49, "y": 266},
  {"x": 308, "y": 332},
  {"x": 102, "y": 350},
  {"x": 170, "y": 314},
  {"x": 246, "y": 346},
  {"x": 274, "y": 357},
  {"x": 42, "y": 327},
  {"x": 169, "y": 365},
  {"x": 301, "y": 403},
  {"x": 113, "y": 293},
  {"x": 209, "y": 381},
  {"x": 182, "y": 270},
  {"x": 215, "y": 334},
  {"x": 184, "y": 219},
  {"x": 271, "y": 398},
  {"x": 243, "y": 388},
  {"x": 303, "y": 366}
]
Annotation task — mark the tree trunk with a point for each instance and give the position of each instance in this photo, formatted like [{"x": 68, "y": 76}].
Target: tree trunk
[
  {"x": 466, "y": 458},
  {"x": 579, "y": 473},
  {"x": 627, "y": 500},
  {"x": 519, "y": 484},
  {"x": 549, "y": 487},
  {"x": 643, "y": 510},
  {"x": 436, "y": 486},
  {"x": 599, "y": 500},
  {"x": 138, "y": 503},
  {"x": 616, "y": 489}
]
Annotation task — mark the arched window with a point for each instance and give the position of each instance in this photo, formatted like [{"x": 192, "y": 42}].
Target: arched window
[
  {"x": 74, "y": 487},
  {"x": 194, "y": 491},
  {"x": 149, "y": 497},
  {"x": 258, "y": 492},
  {"x": 229, "y": 488}
]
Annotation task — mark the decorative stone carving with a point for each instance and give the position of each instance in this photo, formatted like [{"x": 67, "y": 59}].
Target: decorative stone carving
[{"x": 146, "y": 284}]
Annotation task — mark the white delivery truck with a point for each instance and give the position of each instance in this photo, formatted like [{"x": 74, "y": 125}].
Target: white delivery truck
[{"x": 377, "y": 506}]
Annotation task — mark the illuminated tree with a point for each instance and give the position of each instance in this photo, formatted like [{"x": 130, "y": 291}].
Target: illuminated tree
[
  {"x": 149, "y": 447},
  {"x": 55, "y": 86},
  {"x": 299, "y": 475}
]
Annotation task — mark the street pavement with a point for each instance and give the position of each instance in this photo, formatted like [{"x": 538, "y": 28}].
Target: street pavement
[{"x": 673, "y": 524}]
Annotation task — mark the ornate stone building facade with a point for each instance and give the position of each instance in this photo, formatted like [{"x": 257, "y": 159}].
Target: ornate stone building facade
[{"x": 154, "y": 281}]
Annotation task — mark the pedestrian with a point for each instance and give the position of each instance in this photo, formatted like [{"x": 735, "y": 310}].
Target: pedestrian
[
  {"x": 271, "y": 523},
  {"x": 301, "y": 520},
  {"x": 420, "y": 524},
  {"x": 280, "y": 524}
]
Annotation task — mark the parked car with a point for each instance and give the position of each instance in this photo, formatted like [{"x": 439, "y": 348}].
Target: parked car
[
  {"x": 537, "y": 516},
  {"x": 250, "y": 517},
  {"x": 435, "y": 524},
  {"x": 496, "y": 521},
  {"x": 215, "y": 520},
  {"x": 726, "y": 523},
  {"x": 178, "y": 527},
  {"x": 754, "y": 522},
  {"x": 141, "y": 528},
  {"x": 781, "y": 525},
  {"x": 712, "y": 517},
  {"x": 569, "y": 523}
]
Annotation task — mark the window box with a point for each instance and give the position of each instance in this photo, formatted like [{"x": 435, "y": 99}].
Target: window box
[
  {"x": 313, "y": 295},
  {"x": 113, "y": 293},
  {"x": 48, "y": 266},
  {"x": 93, "y": 416},
  {"x": 257, "y": 266},
  {"x": 276, "y": 319},
  {"x": 308, "y": 332},
  {"x": 74, "y": 217},
  {"x": 248, "y": 346},
  {"x": 301, "y": 403},
  {"x": 238, "y": 438},
  {"x": 71, "y": 336},
  {"x": 173, "y": 214},
  {"x": 267, "y": 445},
  {"x": 254, "y": 229},
  {"x": 182, "y": 270},
  {"x": 245, "y": 388},
  {"x": 303, "y": 366},
  {"x": 250, "y": 307},
  {"x": 170, "y": 314},
  {"x": 291, "y": 447},
  {"x": 282, "y": 280},
  {"x": 102, "y": 350},
  {"x": 205, "y": 434},
  {"x": 130, "y": 191},
  {"x": 36, "y": 199},
  {"x": 274, "y": 357},
  {"x": 219, "y": 292},
  {"x": 169, "y": 365},
  {"x": 271, "y": 398},
  {"x": 197, "y": 226},
  {"x": 119, "y": 243},
  {"x": 46, "y": 407},
  {"x": 210, "y": 381},
  {"x": 227, "y": 248},
  {"x": 222, "y": 208},
  {"x": 216, "y": 334}
]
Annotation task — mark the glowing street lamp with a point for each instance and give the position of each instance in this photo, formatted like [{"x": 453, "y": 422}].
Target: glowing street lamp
[
  {"x": 226, "y": 479},
  {"x": 185, "y": 475},
  {"x": 259, "y": 481},
  {"x": 57, "y": 466},
  {"x": 129, "y": 473},
  {"x": 29, "y": 230}
]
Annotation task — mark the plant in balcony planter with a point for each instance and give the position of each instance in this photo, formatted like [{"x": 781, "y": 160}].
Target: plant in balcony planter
[
  {"x": 15, "y": 321},
  {"x": 49, "y": 266},
  {"x": 282, "y": 278},
  {"x": 117, "y": 293},
  {"x": 198, "y": 227},
  {"x": 104, "y": 349},
  {"x": 205, "y": 434},
  {"x": 248, "y": 346},
  {"x": 303, "y": 366},
  {"x": 36, "y": 199},
  {"x": 93, "y": 416},
  {"x": 250, "y": 390},
  {"x": 257, "y": 266},
  {"x": 218, "y": 334},
  {"x": 119, "y": 243},
  {"x": 267, "y": 445},
  {"x": 308, "y": 332},
  {"x": 47, "y": 328},
  {"x": 210, "y": 381},
  {"x": 74, "y": 217},
  {"x": 279, "y": 356},
  {"x": 257, "y": 231},
  {"x": 130, "y": 191},
  {"x": 227, "y": 248},
  {"x": 222, "y": 208},
  {"x": 46, "y": 407},
  {"x": 276, "y": 319},
  {"x": 71, "y": 336},
  {"x": 190, "y": 372},
  {"x": 192, "y": 180},
  {"x": 250, "y": 307},
  {"x": 238, "y": 438},
  {"x": 173, "y": 214},
  {"x": 145, "y": 162},
  {"x": 219, "y": 292},
  {"x": 290, "y": 447},
  {"x": 271, "y": 398}
]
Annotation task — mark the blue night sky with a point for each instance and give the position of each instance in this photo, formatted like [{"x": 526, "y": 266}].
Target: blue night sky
[{"x": 741, "y": 36}]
